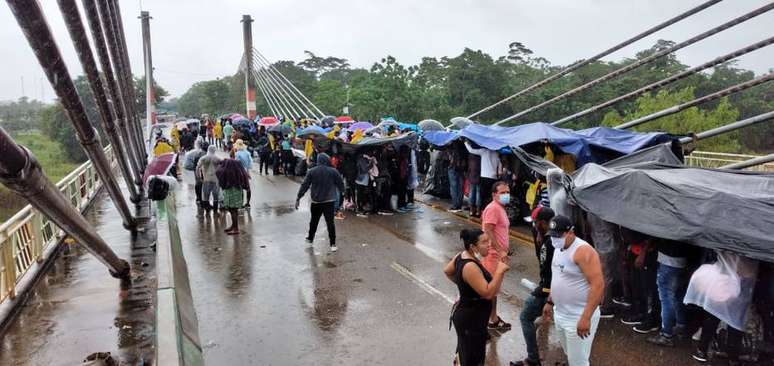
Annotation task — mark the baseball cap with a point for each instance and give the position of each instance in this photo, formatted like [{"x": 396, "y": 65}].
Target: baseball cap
[{"x": 559, "y": 225}]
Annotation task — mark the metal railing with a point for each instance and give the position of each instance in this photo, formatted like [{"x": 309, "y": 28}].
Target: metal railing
[
  {"x": 707, "y": 159},
  {"x": 28, "y": 234}
]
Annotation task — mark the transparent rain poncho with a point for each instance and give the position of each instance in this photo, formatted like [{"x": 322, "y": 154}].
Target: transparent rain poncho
[{"x": 724, "y": 288}]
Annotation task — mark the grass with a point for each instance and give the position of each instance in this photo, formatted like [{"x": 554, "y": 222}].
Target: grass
[{"x": 51, "y": 157}]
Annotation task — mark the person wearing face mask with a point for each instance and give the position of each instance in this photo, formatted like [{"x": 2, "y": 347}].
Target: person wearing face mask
[
  {"x": 477, "y": 287},
  {"x": 576, "y": 291},
  {"x": 533, "y": 306},
  {"x": 496, "y": 225}
]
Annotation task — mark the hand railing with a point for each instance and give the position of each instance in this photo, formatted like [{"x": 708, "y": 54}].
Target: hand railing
[
  {"x": 28, "y": 234},
  {"x": 707, "y": 159}
]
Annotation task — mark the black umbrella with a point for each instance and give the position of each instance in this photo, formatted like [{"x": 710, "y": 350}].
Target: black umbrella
[{"x": 281, "y": 129}]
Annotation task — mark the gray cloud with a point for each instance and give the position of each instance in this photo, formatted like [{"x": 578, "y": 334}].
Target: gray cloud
[{"x": 201, "y": 39}]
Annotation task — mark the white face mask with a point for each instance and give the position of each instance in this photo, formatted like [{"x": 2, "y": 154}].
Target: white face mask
[{"x": 558, "y": 243}]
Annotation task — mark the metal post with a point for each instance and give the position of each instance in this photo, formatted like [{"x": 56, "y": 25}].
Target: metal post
[
  {"x": 680, "y": 107},
  {"x": 615, "y": 48},
  {"x": 729, "y": 127},
  {"x": 150, "y": 91},
  {"x": 750, "y": 163},
  {"x": 77, "y": 31},
  {"x": 116, "y": 98},
  {"x": 118, "y": 23},
  {"x": 669, "y": 80},
  {"x": 33, "y": 23},
  {"x": 21, "y": 173},
  {"x": 120, "y": 73},
  {"x": 247, "y": 34},
  {"x": 734, "y": 22}
]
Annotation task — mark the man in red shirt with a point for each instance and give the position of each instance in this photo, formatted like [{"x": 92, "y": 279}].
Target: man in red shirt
[{"x": 495, "y": 224}]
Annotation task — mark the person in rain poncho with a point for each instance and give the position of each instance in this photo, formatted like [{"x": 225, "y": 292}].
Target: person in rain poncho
[
  {"x": 232, "y": 179},
  {"x": 326, "y": 184}
]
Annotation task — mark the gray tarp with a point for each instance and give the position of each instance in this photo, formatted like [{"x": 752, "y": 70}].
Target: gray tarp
[{"x": 718, "y": 209}]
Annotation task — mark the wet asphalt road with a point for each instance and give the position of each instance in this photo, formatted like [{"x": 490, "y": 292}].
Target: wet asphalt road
[{"x": 265, "y": 298}]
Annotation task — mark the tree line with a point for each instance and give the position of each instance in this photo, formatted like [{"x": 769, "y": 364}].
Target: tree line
[{"x": 446, "y": 87}]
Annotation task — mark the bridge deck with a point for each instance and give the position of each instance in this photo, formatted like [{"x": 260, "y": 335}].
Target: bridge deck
[
  {"x": 76, "y": 309},
  {"x": 265, "y": 298}
]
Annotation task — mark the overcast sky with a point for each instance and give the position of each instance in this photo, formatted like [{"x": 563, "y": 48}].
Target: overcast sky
[{"x": 197, "y": 40}]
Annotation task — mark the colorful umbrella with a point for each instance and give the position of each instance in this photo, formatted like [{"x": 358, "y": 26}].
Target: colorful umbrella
[
  {"x": 344, "y": 119},
  {"x": 360, "y": 126},
  {"x": 159, "y": 165},
  {"x": 311, "y": 131},
  {"x": 268, "y": 121}
]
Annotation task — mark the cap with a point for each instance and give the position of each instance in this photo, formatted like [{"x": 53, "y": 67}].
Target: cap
[
  {"x": 559, "y": 225},
  {"x": 542, "y": 213}
]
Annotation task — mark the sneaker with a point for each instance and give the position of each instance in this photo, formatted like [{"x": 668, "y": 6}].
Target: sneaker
[
  {"x": 499, "y": 325},
  {"x": 606, "y": 313},
  {"x": 662, "y": 340},
  {"x": 621, "y": 301},
  {"x": 334, "y": 249},
  {"x": 454, "y": 210},
  {"x": 633, "y": 319},
  {"x": 361, "y": 214},
  {"x": 308, "y": 241},
  {"x": 700, "y": 356},
  {"x": 386, "y": 213},
  {"x": 647, "y": 327}
]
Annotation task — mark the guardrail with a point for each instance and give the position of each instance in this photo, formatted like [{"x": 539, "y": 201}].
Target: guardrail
[
  {"x": 177, "y": 329},
  {"x": 707, "y": 159},
  {"x": 27, "y": 235}
]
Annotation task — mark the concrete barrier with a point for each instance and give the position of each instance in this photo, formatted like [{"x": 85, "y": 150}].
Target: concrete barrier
[{"x": 177, "y": 329}]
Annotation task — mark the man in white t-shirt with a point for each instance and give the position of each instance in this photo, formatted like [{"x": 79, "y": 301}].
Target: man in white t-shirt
[{"x": 576, "y": 291}]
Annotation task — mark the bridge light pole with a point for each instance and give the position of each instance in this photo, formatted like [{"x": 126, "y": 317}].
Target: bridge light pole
[
  {"x": 150, "y": 91},
  {"x": 247, "y": 33}
]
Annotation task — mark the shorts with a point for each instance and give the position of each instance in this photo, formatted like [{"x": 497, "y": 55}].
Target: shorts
[{"x": 232, "y": 198}]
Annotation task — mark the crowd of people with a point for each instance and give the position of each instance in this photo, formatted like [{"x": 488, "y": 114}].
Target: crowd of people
[{"x": 590, "y": 270}]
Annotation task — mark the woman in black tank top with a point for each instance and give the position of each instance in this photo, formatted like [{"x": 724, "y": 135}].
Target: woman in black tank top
[{"x": 477, "y": 287}]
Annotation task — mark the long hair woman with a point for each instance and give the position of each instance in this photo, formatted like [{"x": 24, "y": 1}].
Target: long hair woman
[
  {"x": 477, "y": 288},
  {"x": 232, "y": 178}
]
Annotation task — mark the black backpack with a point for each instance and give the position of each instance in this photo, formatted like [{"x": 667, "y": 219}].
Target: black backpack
[{"x": 158, "y": 189}]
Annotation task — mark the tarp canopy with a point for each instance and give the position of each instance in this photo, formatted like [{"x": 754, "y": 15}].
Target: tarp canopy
[
  {"x": 594, "y": 145},
  {"x": 409, "y": 138},
  {"x": 718, "y": 209},
  {"x": 440, "y": 138},
  {"x": 659, "y": 154}
]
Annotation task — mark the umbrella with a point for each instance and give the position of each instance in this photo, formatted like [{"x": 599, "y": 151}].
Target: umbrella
[
  {"x": 311, "y": 131},
  {"x": 159, "y": 165},
  {"x": 461, "y": 122},
  {"x": 181, "y": 125},
  {"x": 360, "y": 126},
  {"x": 327, "y": 120},
  {"x": 235, "y": 116},
  {"x": 430, "y": 125},
  {"x": 344, "y": 119},
  {"x": 281, "y": 129},
  {"x": 268, "y": 121},
  {"x": 240, "y": 122}
]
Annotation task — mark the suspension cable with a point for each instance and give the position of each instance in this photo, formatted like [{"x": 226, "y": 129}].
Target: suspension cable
[
  {"x": 293, "y": 86},
  {"x": 282, "y": 87},
  {"x": 668, "y": 80},
  {"x": 674, "y": 109},
  {"x": 615, "y": 48},
  {"x": 646, "y": 60},
  {"x": 279, "y": 92},
  {"x": 281, "y": 107}
]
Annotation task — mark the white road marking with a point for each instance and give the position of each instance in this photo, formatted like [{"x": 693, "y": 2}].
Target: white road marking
[{"x": 421, "y": 283}]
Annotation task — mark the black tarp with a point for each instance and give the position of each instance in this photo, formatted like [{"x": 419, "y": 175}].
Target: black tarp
[{"x": 711, "y": 208}]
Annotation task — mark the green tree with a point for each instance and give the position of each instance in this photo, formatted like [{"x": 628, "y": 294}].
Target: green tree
[{"x": 139, "y": 93}]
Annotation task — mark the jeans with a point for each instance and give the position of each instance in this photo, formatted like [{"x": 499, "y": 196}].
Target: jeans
[
  {"x": 210, "y": 189},
  {"x": 475, "y": 195},
  {"x": 456, "y": 188},
  {"x": 322, "y": 209},
  {"x": 533, "y": 308},
  {"x": 670, "y": 292},
  {"x": 577, "y": 349}
]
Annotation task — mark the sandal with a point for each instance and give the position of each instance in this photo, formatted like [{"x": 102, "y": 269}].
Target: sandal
[
  {"x": 499, "y": 325},
  {"x": 233, "y": 232}
]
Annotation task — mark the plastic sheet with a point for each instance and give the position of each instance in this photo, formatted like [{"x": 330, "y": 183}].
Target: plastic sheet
[{"x": 724, "y": 288}]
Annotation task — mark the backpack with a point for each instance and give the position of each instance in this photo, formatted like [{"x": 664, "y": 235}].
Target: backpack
[{"x": 158, "y": 189}]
